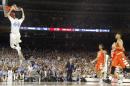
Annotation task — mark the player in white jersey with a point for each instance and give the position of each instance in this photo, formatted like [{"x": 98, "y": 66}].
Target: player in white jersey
[{"x": 15, "y": 30}]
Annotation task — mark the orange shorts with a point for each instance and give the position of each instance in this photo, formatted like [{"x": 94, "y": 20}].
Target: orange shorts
[
  {"x": 118, "y": 60},
  {"x": 99, "y": 66}
]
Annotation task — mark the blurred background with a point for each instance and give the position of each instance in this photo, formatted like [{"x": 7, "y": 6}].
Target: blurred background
[
  {"x": 102, "y": 14},
  {"x": 56, "y": 32}
]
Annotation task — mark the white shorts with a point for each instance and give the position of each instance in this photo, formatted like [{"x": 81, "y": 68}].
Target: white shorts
[{"x": 15, "y": 39}]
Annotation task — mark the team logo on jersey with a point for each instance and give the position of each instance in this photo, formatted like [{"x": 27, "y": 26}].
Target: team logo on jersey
[{"x": 16, "y": 24}]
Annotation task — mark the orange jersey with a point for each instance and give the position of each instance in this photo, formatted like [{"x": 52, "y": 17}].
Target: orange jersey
[
  {"x": 119, "y": 59},
  {"x": 101, "y": 57},
  {"x": 100, "y": 60}
]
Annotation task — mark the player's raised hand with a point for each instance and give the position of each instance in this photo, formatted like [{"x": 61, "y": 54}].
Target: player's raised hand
[
  {"x": 14, "y": 7},
  {"x": 21, "y": 9}
]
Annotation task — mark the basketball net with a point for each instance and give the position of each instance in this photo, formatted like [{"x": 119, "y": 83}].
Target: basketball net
[
  {"x": 4, "y": 4},
  {"x": 5, "y": 8}
]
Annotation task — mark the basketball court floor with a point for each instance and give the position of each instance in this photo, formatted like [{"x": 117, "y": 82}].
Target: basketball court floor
[{"x": 60, "y": 84}]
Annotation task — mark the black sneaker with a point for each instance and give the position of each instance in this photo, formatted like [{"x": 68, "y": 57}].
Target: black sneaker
[{"x": 107, "y": 81}]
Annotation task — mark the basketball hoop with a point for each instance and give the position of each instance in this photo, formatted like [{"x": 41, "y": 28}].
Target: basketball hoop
[
  {"x": 5, "y": 8},
  {"x": 4, "y": 4}
]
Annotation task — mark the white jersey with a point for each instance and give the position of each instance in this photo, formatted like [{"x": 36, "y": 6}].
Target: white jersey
[{"x": 15, "y": 24}]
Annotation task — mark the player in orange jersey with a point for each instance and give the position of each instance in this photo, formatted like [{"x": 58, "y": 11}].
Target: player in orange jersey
[
  {"x": 100, "y": 60},
  {"x": 119, "y": 60}
]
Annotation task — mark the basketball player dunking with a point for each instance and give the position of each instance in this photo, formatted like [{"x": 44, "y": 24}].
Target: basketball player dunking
[{"x": 15, "y": 30}]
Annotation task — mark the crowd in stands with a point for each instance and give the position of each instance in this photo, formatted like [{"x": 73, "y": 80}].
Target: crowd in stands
[{"x": 45, "y": 65}]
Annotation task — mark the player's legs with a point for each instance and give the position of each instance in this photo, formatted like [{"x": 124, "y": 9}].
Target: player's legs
[
  {"x": 112, "y": 73},
  {"x": 12, "y": 41},
  {"x": 99, "y": 70},
  {"x": 114, "y": 64},
  {"x": 18, "y": 38},
  {"x": 117, "y": 62},
  {"x": 18, "y": 48},
  {"x": 20, "y": 54}
]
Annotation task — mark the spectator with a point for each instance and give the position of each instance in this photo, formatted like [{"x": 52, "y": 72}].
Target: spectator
[{"x": 70, "y": 69}]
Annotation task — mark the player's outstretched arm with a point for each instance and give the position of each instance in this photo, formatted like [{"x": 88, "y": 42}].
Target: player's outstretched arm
[
  {"x": 23, "y": 15},
  {"x": 8, "y": 14}
]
